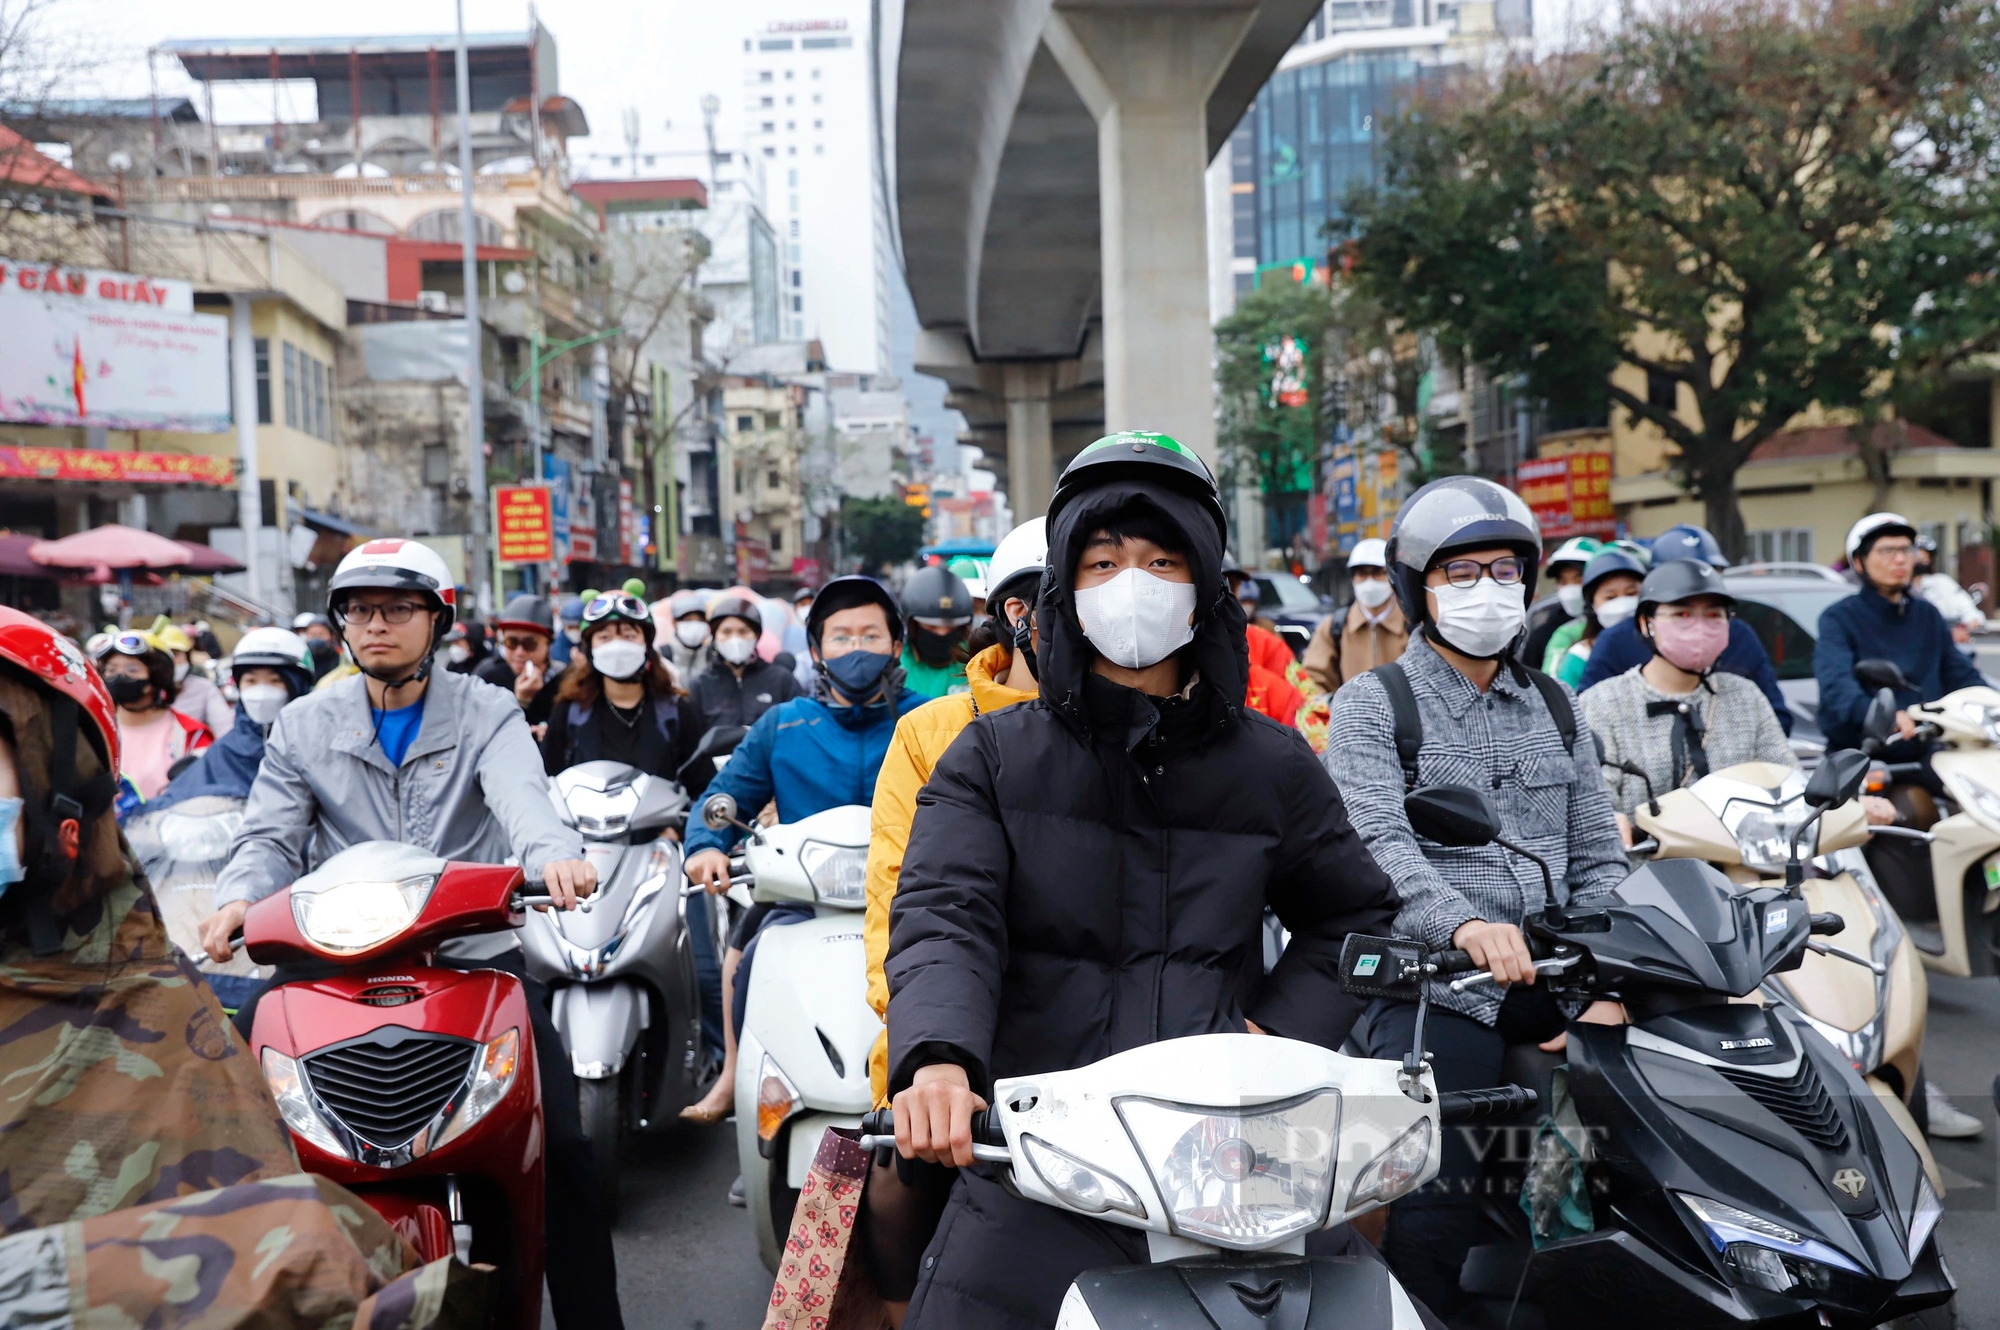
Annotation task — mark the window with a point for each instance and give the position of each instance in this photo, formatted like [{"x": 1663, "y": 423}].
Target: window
[
  {"x": 737, "y": 478},
  {"x": 291, "y": 385},
  {"x": 776, "y": 44},
  {"x": 792, "y": 177},
  {"x": 816, "y": 97},
  {"x": 764, "y": 102},
  {"x": 437, "y": 464},
  {"x": 772, "y": 480},
  {"x": 262, "y": 345},
  {"x": 774, "y": 420},
  {"x": 777, "y": 539},
  {"x": 815, "y": 73},
  {"x": 770, "y": 152},
  {"x": 819, "y": 147},
  {"x": 790, "y": 99},
  {"x": 795, "y": 228},
  {"x": 1662, "y": 390},
  {"x": 770, "y": 127},
  {"x": 798, "y": 305},
  {"x": 319, "y": 411},
  {"x": 795, "y": 277},
  {"x": 763, "y": 76},
  {"x": 791, "y": 125},
  {"x": 744, "y": 424},
  {"x": 795, "y": 253},
  {"x": 788, "y": 73},
  {"x": 1780, "y": 545}
]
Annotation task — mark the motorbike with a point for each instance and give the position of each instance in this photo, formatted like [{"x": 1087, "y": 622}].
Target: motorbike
[
  {"x": 411, "y": 1085},
  {"x": 1228, "y": 1150},
  {"x": 802, "y": 1058},
  {"x": 1733, "y": 1167},
  {"x": 622, "y": 976},
  {"x": 1949, "y": 903},
  {"x": 182, "y": 849},
  {"x": 1739, "y": 821}
]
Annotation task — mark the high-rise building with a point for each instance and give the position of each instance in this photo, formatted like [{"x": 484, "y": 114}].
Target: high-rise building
[{"x": 808, "y": 111}]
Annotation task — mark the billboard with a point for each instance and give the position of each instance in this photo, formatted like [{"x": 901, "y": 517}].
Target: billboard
[
  {"x": 523, "y": 524},
  {"x": 1570, "y": 496},
  {"x": 131, "y": 468},
  {"x": 116, "y": 350}
]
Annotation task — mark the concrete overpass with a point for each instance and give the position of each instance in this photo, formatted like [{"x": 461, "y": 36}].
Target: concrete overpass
[{"x": 1049, "y": 182}]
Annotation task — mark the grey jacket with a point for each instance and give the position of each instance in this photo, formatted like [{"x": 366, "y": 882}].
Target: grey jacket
[
  {"x": 1502, "y": 741},
  {"x": 470, "y": 787}
]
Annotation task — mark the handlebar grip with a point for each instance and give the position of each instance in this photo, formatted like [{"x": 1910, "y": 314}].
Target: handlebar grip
[
  {"x": 985, "y": 1126},
  {"x": 1454, "y": 961},
  {"x": 882, "y": 1122},
  {"x": 1825, "y": 925},
  {"x": 1459, "y": 1107}
]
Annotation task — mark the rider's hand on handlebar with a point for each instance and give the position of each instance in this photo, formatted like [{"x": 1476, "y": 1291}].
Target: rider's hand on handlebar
[
  {"x": 709, "y": 870},
  {"x": 1880, "y": 812},
  {"x": 215, "y": 930},
  {"x": 934, "y": 1116},
  {"x": 1906, "y": 725},
  {"x": 1499, "y": 949},
  {"x": 568, "y": 881}
]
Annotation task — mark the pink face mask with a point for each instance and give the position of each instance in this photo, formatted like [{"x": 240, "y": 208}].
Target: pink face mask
[{"x": 1691, "y": 644}]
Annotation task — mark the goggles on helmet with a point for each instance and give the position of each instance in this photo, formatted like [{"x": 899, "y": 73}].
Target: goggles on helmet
[
  {"x": 617, "y": 605},
  {"x": 127, "y": 644}
]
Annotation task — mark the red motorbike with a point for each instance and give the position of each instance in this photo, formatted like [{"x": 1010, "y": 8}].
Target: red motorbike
[{"x": 410, "y": 1084}]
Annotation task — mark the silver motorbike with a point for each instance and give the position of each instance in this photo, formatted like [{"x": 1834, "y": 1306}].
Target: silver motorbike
[
  {"x": 626, "y": 1000},
  {"x": 182, "y": 848}
]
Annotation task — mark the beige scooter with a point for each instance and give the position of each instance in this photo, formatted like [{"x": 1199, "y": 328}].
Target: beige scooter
[
  {"x": 1863, "y": 989},
  {"x": 1965, "y": 841}
]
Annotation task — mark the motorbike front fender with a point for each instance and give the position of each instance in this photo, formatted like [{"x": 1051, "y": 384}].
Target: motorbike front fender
[
  {"x": 600, "y": 1025},
  {"x": 1350, "y": 1292}
]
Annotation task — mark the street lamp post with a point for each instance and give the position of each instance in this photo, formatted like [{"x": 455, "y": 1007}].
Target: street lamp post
[{"x": 475, "y": 388}]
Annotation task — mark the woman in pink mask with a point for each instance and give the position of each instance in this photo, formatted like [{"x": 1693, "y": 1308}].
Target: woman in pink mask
[{"x": 1677, "y": 717}]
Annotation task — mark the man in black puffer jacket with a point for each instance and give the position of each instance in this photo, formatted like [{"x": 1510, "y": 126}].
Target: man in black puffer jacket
[{"x": 1088, "y": 872}]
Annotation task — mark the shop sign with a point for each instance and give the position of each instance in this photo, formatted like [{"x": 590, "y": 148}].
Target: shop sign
[
  {"x": 523, "y": 524},
  {"x": 1569, "y": 496},
  {"x": 112, "y": 467}
]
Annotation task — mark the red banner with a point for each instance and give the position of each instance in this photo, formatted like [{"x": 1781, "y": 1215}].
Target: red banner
[
  {"x": 127, "y": 468},
  {"x": 524, "y": 524},
  {"x": 753, "y": 561},
  {"x": 1570, "y": 496}
]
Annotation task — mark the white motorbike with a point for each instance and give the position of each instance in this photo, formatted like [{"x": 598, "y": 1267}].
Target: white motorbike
[
  {"x": 182, "y": 849},
  {"x": 1227, "y": 1150},
  {"x": 802, "y": 1059}
]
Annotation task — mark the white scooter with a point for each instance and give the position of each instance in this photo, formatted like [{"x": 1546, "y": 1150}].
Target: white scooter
[
  {"x": 802, "y": 1059},
  {"x": 1227, "y": 1150}
]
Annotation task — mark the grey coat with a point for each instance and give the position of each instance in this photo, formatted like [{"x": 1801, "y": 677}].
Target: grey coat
[{"x": 470, "y": 787}]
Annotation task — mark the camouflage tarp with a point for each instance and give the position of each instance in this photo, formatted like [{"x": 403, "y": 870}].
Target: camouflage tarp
[{"x": 287, "y": 1251}]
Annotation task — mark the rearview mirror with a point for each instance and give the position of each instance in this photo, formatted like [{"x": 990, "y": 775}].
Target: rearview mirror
[
  {"x": 1881, "y": 674},
  {"x": 1880, "y": 723},
  {"x": 718, "y": 812},
  {"x": 1838, "y": 779},
  {"x": 1455, "y": 815}
]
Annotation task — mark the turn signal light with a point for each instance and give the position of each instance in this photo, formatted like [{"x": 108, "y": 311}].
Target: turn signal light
[{"x": 777, "y": 1099}]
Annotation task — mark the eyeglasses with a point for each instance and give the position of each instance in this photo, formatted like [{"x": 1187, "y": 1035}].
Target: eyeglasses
[
  {"x": 396, "y": 612},
  {"x": 521, "y": 643},
  {"x": 1507, "y": 571},
  {"x": 1893, "y": 551},
  {"x": 871, "y": 641},
  {"x": 616, "y": 605}
]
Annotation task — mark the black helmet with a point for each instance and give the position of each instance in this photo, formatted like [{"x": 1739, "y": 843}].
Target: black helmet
[
  {"x": 1453, "y": 514},
  {"x": 1139, "y": 455},
  {"x": 529, "y": 614},
  {"x": 936, "y": 594},
  {"x": 844, "y": 593},
  {"x": 737, "y": 607},
  {"x": 1681, "y": 579}
]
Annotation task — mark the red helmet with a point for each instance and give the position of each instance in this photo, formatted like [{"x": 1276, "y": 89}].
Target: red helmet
[{"x": 60, "y": 665}]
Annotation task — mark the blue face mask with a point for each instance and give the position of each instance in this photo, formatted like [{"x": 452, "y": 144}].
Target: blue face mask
[
  {"x": 856, "y": 673},
  {"x": 11, "y": 869}
]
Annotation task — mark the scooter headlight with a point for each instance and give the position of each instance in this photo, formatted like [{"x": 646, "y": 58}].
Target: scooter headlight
[
  {"x": 1985, "y": 802},
  {"x": 1924, "y": 1217},
  {"x": 1084, "y": 1187},
  {"x": 1397, "y": 1171},
  {"x": 1989, "y": 723},
  {"x": 346, "y": 917},
  {"x": 839, "y": 873},
  {"x": 492, "y": 1077},
  {"x": 1764, "y": 1253},
  {"x": 1764, "y": 832},
  {"x": 295, "y": 1103},
  {"x": 1239, "y": 1177}
]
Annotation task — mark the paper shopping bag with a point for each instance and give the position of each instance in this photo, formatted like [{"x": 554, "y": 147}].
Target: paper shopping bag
[{"x": 823, "y": 1281}]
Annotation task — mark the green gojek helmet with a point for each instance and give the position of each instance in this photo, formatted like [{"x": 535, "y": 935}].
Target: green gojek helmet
[{"x": 1140, "y": 455}]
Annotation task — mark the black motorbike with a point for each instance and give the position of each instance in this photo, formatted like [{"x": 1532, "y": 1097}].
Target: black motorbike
[{"x": 1737, "y": 1170}]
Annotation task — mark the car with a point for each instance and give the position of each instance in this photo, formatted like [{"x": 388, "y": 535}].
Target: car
[
  {"x": 1290, "y": 603},
  {"x": 1782, "y": 603}
]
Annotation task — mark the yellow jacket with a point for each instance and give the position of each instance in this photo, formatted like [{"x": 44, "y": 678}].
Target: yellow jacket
[{"x": 920, "y": 740}]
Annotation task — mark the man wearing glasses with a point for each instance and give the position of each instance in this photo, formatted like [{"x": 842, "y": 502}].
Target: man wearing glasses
[
  {"x": 1462, "y": 560},
  {"x": 1884, "y": 622},
  {"x": 526, "y": 629}
]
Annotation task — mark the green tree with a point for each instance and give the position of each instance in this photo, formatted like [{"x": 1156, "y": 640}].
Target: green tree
[
  {"x": 1762, "y": 206},
  {"x": 881, "y": 532},
  {"x": 1270, "y": 372}
]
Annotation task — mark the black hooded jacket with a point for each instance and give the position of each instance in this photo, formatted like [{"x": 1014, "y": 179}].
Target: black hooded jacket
[{"x": 1087, "y": 872}]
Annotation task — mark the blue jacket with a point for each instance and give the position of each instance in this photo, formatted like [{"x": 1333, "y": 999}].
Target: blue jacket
[
  {"x": 1620, "y": 648},
  {"x": 1868, "y": 626},
  {"x": 228, "y": 767},
  {"x": 800, "y": 755}
]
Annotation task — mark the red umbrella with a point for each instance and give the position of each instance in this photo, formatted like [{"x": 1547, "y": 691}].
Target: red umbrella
[
  {"x": 14, "y": 560},
  {"x": 118, "y": 547},
  {"x": 207, "y": 559}
]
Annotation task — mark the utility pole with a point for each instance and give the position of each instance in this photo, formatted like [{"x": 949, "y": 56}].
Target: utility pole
[{"x": 475, "y": 389}]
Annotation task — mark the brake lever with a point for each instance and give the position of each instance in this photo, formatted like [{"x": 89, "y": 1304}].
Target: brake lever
[
  {"x": 1907, "y": 833},
  {"x": 1553, "y": 965},
  {"x": 1827, "y": 949},
  {"x": 985, "y": 1154}
]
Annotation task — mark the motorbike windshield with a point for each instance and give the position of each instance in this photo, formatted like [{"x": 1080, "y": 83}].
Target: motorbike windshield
[{"x": 1690, "y": 899}]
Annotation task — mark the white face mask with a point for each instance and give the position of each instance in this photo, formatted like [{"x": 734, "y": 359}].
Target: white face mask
[
  {"x": 1372, "y": 592},
  {"x": 619, "y": 658},
  {"x": 1617, "y": 610},
  {"x": 737, "y": 650},
  {"x": 1480, "y": 620},
  {"x": 691, "y": 632},
  {"x": 180, "y": 671},
  {"x": 459, "y": 653},
  {"x": 263, "y": 701},
  {"x": 1136, "y": 619},
  {"x": 1571, "y": 599}
]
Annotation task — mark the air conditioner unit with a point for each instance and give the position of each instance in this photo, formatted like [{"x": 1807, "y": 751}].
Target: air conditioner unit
[
  {"x": 460, "y": 486},
  {"x": 436, "y": 301}
]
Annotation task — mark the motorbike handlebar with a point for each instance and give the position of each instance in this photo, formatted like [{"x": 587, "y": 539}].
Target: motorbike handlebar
[
  {"x": 1453, "y": 961},
  {"x": 1459, "y": 1107},
  {"x": 989, "y": 1143},
  {"x": 1826, "y": 925},
  {"x": 524, "y": 901}
]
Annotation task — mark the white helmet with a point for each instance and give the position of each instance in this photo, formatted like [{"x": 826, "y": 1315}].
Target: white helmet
[
  {"x": 1369, "y": 553},
  {"x": 278, "y": 649},
  {"x": 391, "y": 563},
  {"x": 1022, "y": 553},
  {"x": 1875, "y": 524}
]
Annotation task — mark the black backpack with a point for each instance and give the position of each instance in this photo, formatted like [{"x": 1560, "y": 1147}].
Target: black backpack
[{"x": 1410, "y": 724}]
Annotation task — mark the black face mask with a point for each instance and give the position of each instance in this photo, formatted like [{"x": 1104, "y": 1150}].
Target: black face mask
[
  {"x": 933, "y": 648},
  {"x": 324, "y": 650},
  {"x": 129, "y": 692}
]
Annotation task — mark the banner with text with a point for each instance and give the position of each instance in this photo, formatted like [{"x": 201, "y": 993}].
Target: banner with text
[
  {"x": 1570, "y": 496},
  {"x": 523, "y": 524}
]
